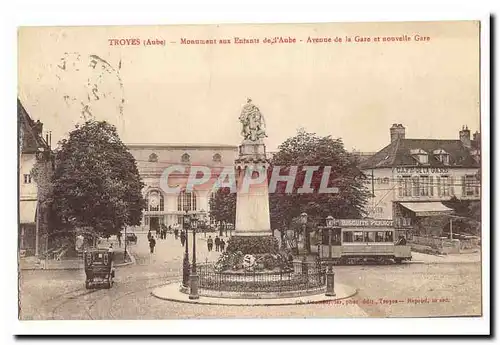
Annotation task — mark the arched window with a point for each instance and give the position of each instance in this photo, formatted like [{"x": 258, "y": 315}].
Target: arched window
[
  {"x": 155, "y": 201},
  {"x": 186, "y": 201},
  {"x": 217, "y": 158},
  {"x": 153, "y": 157},
  {"x": 185, "y": 158}
]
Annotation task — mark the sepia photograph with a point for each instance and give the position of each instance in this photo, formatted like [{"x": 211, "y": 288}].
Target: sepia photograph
[{"x": 251, "y": 171}]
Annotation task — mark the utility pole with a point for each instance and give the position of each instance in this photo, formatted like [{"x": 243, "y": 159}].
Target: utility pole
[{"x": 373, "y": 185}]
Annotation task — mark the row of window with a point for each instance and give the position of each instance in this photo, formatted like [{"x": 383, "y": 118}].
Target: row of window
[
  {"x": 364, "y": 236},
  {"x": 185, "y": 201},
  {"x": 185, "y": 158},
  {"x": 415, "y": 186},
  {"x": 423, "y": 158},
  {"x": 368, "y": 236}
]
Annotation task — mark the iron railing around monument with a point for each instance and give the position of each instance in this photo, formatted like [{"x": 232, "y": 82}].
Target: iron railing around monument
[{"x": 304, "y": 276}]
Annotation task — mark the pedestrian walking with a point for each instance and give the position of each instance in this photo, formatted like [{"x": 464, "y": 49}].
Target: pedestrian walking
[
  {"x": 217, "y": 243},
  {"x": 111, "y": 251},
  {"x": 152, "y": 244},
  {"x": 183, "y": 238},
  {"x": 157, "y": 232},
  {"x": 149, "y": 235},
  {"x": 210, "y": 243},
  {"x": 222, "y": 245},
  {"x": 119, "y": 237},
  {"x": 176, "y": 233}
]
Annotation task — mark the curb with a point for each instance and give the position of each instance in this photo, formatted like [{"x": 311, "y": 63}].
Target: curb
[{"x": 320, "y": 298}]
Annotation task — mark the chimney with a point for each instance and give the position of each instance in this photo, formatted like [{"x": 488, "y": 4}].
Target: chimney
[
  {"x": 464, "y": 135},
  {"x": 397, "y": 132},
  {"x": 38, "y": 127},
  {"x": 476, "y": 137}
]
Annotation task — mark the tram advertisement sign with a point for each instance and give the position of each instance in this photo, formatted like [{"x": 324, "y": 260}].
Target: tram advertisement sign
[{"x": 365, "y": 223}]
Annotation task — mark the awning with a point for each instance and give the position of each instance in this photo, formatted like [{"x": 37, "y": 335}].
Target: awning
[
  {"x": 426, "y": 209},
  {"x": 27, "y": 211}
]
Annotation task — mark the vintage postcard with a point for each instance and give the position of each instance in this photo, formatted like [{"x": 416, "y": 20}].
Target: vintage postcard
[{"x": 329, "y": 170}]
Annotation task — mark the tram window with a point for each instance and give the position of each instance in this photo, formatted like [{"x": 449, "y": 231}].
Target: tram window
[
  {"x": 358, "y": 236},
  {"x": 336, "y": 237},
  {"x": 370, "y": 236},
  {"x": 324, "y": 237},
  {"x": 380, "y": 236},
  {"x": 388, "y": 236},
  {"x": 348, "y": 236}
]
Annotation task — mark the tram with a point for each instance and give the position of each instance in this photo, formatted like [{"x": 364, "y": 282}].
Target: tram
[{"x": 355, "y": 240}]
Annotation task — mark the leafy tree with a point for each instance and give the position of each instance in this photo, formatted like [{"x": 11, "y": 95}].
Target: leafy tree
[
  {"x": 96, "y": 183},
  {"x": 469, "y": 213},
  {"x": 223, "y": 207},
  {"x": 308, "y": 149}
]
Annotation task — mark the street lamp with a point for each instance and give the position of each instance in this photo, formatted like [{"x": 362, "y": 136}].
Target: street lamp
[
  {"x": 194, "y": 278},
  {"x": 185, "y": 264},
  {"x": 303, "y": 221},
  {"x": 330, "y": 275}
]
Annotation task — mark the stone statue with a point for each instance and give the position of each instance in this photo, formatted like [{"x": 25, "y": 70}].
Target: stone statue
[{"x": 253, "y": 122}]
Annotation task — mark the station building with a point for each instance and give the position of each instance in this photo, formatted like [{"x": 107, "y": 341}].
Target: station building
[{"x": 169, "y": 209}]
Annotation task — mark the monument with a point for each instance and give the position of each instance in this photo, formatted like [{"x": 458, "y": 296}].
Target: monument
[{"x": 253, "y": 235}]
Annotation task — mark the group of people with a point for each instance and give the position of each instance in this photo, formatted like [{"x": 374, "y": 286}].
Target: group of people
[
  {"x": 162, "y": 233},
  {"x": 220, "y": 244}
]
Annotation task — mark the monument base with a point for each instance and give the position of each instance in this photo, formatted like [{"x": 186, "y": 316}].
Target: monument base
[{"x": 249, "y": 244}]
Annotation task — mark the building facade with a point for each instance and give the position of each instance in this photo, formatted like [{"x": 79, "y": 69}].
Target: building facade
[
  {"x": 31, "y": 145},
  {"x": 169, "y": 208},
  {"x": 411, "y": 177}
]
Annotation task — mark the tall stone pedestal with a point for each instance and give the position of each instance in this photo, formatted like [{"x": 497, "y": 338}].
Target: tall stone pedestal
[{"x": 253, "y": 233}]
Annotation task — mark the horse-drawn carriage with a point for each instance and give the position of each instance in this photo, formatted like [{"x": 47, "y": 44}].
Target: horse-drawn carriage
[{"x": 99, "y": 268}]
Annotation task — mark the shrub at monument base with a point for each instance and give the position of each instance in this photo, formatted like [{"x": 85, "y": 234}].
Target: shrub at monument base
[
  {"x": 237, "y": 262},
  {"x": 253, "y": 245}
]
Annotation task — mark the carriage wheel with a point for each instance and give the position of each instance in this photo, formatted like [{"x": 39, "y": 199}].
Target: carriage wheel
[
  {"x": 398, "y": 261},
  {"x": 87, "y": 284}
]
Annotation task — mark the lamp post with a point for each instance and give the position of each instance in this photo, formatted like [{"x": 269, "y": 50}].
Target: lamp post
[
  {"x": 194, "y": 278},
  {"x": 330, "y": 275},
  {"x": 303, "y": 221},
  {"x": 185, "y": 264}
]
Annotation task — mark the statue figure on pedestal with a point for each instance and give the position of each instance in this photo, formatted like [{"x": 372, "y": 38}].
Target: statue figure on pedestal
[{"x": 253, "y": 122}]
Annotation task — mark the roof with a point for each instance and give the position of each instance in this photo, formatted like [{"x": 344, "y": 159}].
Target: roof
[
  {"x": 397, "y": 153},
  {"x": 32, "y": 139},
  {"x": 167, "y": 146}
]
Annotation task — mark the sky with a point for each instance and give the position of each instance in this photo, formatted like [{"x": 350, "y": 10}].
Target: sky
[{"x": 193, "y": 93}]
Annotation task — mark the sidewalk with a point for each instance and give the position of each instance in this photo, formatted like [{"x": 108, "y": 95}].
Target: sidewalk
[
  {"x": 450, "y": 258},
  {"x": 32, "y": 263}
]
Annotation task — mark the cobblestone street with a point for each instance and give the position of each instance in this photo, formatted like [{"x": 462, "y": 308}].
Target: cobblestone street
[{"x": 417, "y": 289}]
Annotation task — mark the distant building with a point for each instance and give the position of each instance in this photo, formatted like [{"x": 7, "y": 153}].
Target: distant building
[
  {"x": 362, "y": 156},
  {"x": 409, "y": 178},
  {"x": 31, "y": 145},
  {"x": 153, "y": 159}
]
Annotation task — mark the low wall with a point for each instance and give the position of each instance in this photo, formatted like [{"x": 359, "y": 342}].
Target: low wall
[{"x": 446, "y": 246}]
